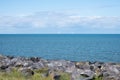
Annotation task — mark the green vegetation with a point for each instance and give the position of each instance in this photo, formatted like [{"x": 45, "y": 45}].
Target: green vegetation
[
  {"x": 65, "y": 76},
  {"x": 43, "y": 70},
  {"x": 98, "y": 78},
  {"x": 14, "y": 75},
  {"x": 38, "y": 75}
]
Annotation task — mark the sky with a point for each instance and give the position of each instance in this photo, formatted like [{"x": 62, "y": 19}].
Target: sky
[{"x": 59, "y": 16}]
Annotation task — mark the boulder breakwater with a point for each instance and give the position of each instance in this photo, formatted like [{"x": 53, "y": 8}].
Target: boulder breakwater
[{"x": 76, "y": 70}]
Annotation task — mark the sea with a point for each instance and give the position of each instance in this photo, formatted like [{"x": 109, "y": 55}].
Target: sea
[{"x": 73, "y": 47}]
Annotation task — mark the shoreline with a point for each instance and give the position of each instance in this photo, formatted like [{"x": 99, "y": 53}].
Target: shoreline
[
  {"x": 49, "y": 59},
  {"x": 83, "y": 70}
]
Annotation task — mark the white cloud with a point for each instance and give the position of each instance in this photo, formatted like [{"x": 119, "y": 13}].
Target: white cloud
[{"x": 58, "y": 19}]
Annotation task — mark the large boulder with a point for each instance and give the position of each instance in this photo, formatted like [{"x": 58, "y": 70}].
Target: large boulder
[{"x": 80, "y": 74}]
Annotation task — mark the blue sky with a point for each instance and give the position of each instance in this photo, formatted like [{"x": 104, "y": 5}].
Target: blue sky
[{"x": 59, "y": 16}]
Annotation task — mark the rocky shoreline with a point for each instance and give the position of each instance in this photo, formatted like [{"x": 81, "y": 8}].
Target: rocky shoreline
[{"x": 77, "y": 70}]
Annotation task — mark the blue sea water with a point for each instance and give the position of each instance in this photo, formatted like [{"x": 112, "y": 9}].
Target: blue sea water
[{"x": 74, "y": 47}]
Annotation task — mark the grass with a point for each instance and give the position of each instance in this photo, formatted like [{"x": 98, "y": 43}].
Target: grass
[
  {"x": 65, "y": 76},
  {"x": 98, "y": 78},
  {"x": 38, "y": 76},
  {"x": 16, "y": 75},
  {"x": 11, "y": 76}
]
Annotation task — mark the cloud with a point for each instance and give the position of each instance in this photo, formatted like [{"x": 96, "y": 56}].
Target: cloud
[{"x": 58, "y": 20}]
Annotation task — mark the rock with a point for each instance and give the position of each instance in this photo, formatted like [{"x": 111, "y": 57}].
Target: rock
[
  {"x": 98, "y": 72},
  {"x": 26, "y": 71},
  {"x": 3, "y": 67},
  {"x": 111, "y": 78},
  {"x": 37, "y": 65},
  {"x": 55, "y": 63},
  {"x": 92, "y": 68},
  {"x": 82, "y": 65},
  {"x": 87, "y": 73},
  {"x": 114, "y": 69},
  {"x": 75, "y": 75},
  {"x": 9, "y": 69},
  {"x": 78, "y": 70},
  {"x": 2, "y": 57},
  {"x": 19, "y": 64},
  {"x": 70, "y": 69},
  {"x": 35, "y": 59},
  {"x": 10, "y": 57},
  {"x": 80, "y": 74},
  {"x": 27, "y": 64},
  {"x": 57, "y": 76},
  {"x": 14, "y": 60}
]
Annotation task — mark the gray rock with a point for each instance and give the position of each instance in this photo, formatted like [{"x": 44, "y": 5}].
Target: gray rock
[
  {"x": 27, "y": 64},
  {"x": 26, "y": 71},
  {"x": 82, "y": 65},
  {"x": 35, "y": 59},
  {"x": 37, "y": 65},
  {"x": 3, "y": 67},
  {"x": 78, "y": 70},
  {"x": 57, "y": 76},
  {"x": 2, "y": 57},
  {"x": 19, "y": 64},
  {"x": 87, "y": 73}
]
